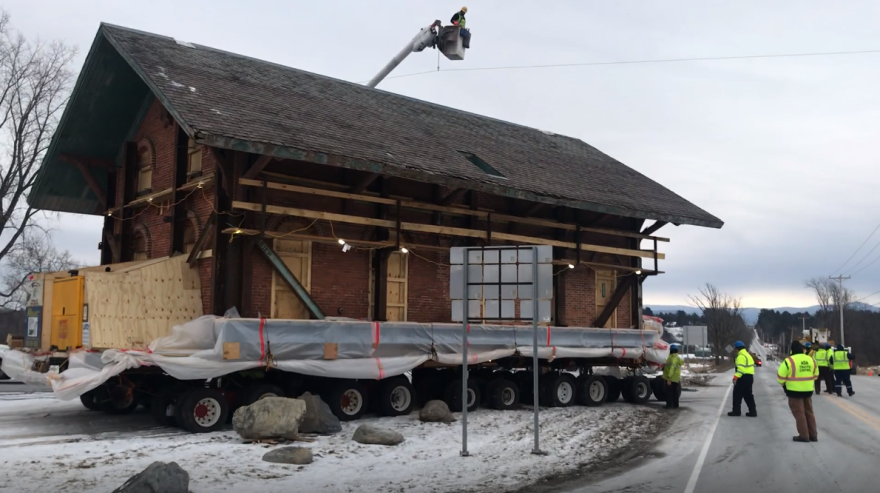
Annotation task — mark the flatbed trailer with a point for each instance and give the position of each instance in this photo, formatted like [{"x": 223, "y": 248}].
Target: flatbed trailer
[{"x": 197, "y": 376}]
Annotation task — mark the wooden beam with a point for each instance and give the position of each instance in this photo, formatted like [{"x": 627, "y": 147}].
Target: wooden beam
[
  {"x": 411, "y": 204},
  {"x": 93, "y": 184},
  {"x": 654, "y": 227},
  {"x": 614, "y": 301},
  {"x": 453, "y": 196},
  {"x": 600, "y": 265},
  {"x": 91, "y": 162},
  {"x": 258, "y": 167},
  {"x": 444, "y": 230},
  {"x": 365, "y": 183},
  {"x": 201, "y": 240},
  {"x": 110, "y": 241},
  {"x": 333, "y": 241},
  {"x": 290, "y": 280}
]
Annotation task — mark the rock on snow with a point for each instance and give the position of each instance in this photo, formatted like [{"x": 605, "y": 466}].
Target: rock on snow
[
  {"x": 158, "y": 477},
  {"x": 272, "y": 417}
]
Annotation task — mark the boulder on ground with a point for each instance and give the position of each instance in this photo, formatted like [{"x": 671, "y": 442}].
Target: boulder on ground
[
  {"x": 289, "y": 455},
  {"x": 436, "y": 412},
  {"x": 376, "y": 435},
  {"x": 158, "y": 477},
  {"x": 271, "y": 417},
  {"x": 318, "y": 418}
]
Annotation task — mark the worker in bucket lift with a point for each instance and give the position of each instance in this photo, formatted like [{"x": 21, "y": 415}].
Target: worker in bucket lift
[
  {"x": 742, "y": 382},
  {"x": 839, "y": 362},
  {"x": 459, "y": 20},
  {"x": 672, "y": 376}
]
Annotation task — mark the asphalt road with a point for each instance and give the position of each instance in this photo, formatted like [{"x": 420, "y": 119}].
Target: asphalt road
[{"x": 704, "y": 452}]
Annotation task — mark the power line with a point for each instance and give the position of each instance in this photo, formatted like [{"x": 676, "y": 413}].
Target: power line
[
  {"x": 866, "y": 297},
  {"x": 866, "y": 255},
  {"x": 867, "y": 265},
  {"x": 635, "y": 62},
  {"x": 859, "y": 248}
]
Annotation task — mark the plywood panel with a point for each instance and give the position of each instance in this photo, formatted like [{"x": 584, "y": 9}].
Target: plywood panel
[
  {"x": 67, "y": 313},
  {"x": 606, "y": 282},
  {"x": 297, "y": 256},
  {"x": 397, "y": 288},
  {"x": 130, "y": 308}
]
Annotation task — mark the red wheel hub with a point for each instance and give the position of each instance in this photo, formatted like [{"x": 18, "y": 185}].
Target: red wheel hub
[{"x": 201, "y": 411}]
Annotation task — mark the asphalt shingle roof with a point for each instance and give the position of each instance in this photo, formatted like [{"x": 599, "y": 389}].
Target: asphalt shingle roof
[{"x": 233, "y": 96}]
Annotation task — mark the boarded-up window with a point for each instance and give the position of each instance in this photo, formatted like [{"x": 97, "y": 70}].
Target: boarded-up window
[
  {"x": 189, "y": 237},
  {"x": 145, "y": 166},
  {"x": 395, "y": 310},
  {"x": 297, "y": 256},
  {"x": 606, "y": 282},
  {"x": 194, "y": 163},
  {"x": 140, "y": 246}
]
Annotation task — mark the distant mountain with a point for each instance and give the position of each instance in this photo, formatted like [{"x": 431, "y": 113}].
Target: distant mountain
[{"x": 750, "y": 315}]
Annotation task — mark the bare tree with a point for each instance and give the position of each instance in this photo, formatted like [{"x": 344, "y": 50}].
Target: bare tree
[
  {"x": 832, "y": 298},
  {"x": 724, "y": 320},
  {"x": 34, "y": 82},
  {"x": 33, "y": 254}
]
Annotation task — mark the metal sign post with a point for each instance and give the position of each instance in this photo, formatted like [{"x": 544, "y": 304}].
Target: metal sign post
[{"x": 503, "y": 278}]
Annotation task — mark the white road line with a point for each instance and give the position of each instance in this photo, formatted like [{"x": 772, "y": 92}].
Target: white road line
[{"x": 695, "y": 475}]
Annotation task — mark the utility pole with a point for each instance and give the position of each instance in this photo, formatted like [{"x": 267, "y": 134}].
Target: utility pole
[
  {"x": 804, "y": 325},
  {"x": 840, "y": 280}
]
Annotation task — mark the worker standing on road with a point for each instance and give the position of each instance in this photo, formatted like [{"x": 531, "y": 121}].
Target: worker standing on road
[
  {"x": 796, "y": 375},
  {"x": 839, "y": 361},
  {"x": 459, "y": 20},
  {"x": 742, "y": 382},
  {"x": 672, "y": 375},
  {"x": 822, "y": 356}
]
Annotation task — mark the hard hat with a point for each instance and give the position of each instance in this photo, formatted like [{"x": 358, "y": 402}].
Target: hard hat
[
  {"x": 739, "y": 344},
  {"x": 673, "y": 346},
  {"x": 464, "y": 9},
  {"x": 827, "y": 345},
  {"x": 808, "y": 344}
]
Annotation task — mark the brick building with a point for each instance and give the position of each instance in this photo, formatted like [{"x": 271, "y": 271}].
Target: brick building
[{"x": 356, "y": 192}]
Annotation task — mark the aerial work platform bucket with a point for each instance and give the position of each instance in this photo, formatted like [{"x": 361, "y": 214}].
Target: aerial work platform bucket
[{"x": 451, "y": 43}]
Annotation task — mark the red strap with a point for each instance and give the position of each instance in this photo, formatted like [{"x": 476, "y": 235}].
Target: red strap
[
  {"x": 376, "y": 335},
  {"x": 262, "y": 344},
  {"x": 381, "y": 369},
  {"x": 548, "y": 336},
  {"x": 624, "y": 352},
  {"x": 469, "y": 331}
]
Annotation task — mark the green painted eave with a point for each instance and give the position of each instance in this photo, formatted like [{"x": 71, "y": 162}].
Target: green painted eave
[{"x": 107, "y": 101}]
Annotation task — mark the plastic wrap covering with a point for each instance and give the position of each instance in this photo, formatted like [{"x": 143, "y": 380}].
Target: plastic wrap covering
[{"x": 211, "y": 347}]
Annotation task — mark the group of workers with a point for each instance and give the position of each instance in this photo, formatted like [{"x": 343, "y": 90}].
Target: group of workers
[{"x": 800, "y": 375}]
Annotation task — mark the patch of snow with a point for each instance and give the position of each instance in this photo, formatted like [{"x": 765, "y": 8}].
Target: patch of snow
[
  {"x": 184, "y": 43},
  {"x": 216, "y": 111},
  {"x": 192, "y": 89},
  {"x": 500, "y": 443},
  {"x": 177, "y": 84}
]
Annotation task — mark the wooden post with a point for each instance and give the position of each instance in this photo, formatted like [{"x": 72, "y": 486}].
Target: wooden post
[
  {"x": 381, "y": 285},
  {"x": 223, "y": 205},
  {"x": 178, "y": 174}
]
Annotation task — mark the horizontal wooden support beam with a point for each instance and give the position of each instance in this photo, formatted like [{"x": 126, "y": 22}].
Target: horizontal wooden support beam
[
  {"x": 599, "y": 265},
  {"x": 411, "y": 204},
  {"x": 203, "y": 182},
  {"x": 333, "y": 241},
  {"x": 443, "y": 230}
]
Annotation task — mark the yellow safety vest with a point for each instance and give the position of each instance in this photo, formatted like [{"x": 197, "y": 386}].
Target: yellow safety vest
[
  {"x": 745, "y": 365},
  {"x": 841, "y": 360},
  {"x": 822, "y": 358},
  {"x": 797, "y": 373}
]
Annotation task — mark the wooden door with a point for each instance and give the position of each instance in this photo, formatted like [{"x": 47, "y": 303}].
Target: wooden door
[
  {"x": 395, "y": 310},
  {"x": 297, "y": 256},
  {"x": 67, "y": 306},
  {"x": 606, "y": 282}
]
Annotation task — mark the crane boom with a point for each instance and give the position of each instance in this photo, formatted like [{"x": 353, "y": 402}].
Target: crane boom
[{"x": 425, "y": 38}]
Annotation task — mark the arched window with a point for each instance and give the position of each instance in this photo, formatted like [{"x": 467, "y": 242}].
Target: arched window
[
  {"x": 146, "y": 159},
  {"x": 139, "y": 244}
]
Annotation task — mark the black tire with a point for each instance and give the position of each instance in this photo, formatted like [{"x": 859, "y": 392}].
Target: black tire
[
  {"x": 260, "y": 391},
  {"x": 503, "y": 394},
  {"x": 395, "y": 397},
  {"x": 164, "y": 402},
  {"x": 558, "y": 390},
  {"x": 117, "y": 399},
  {"x": 202, "y": 410},
  {"x": 524, "y": 380},
  {"x": 429, "y": 389},
  {"x": 636, "y": 390},
  {"x": 347, "y": 399},
  {"x": 613, "y": 384},
  {"x": 90, "y": 400},
  {"x": 592, "y": 390},
  {"x": 453, "y": 395},
  {"x": 658, "y": 388}
]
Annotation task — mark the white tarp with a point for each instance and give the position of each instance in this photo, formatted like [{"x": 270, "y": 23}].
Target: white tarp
[{"x": 200, "y": 349}]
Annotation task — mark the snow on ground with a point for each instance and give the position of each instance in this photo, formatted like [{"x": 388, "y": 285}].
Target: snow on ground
[{"x": 500, "y": 443}]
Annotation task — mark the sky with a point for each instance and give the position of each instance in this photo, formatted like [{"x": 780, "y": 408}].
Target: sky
[{"x": 784, "y": 150}]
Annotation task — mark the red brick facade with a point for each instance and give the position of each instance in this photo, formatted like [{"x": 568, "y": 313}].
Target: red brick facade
[{"x": 340, "y": 282}]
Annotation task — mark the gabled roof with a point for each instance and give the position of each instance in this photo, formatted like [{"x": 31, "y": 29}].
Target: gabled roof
[{"x": 232, "y": 101}]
